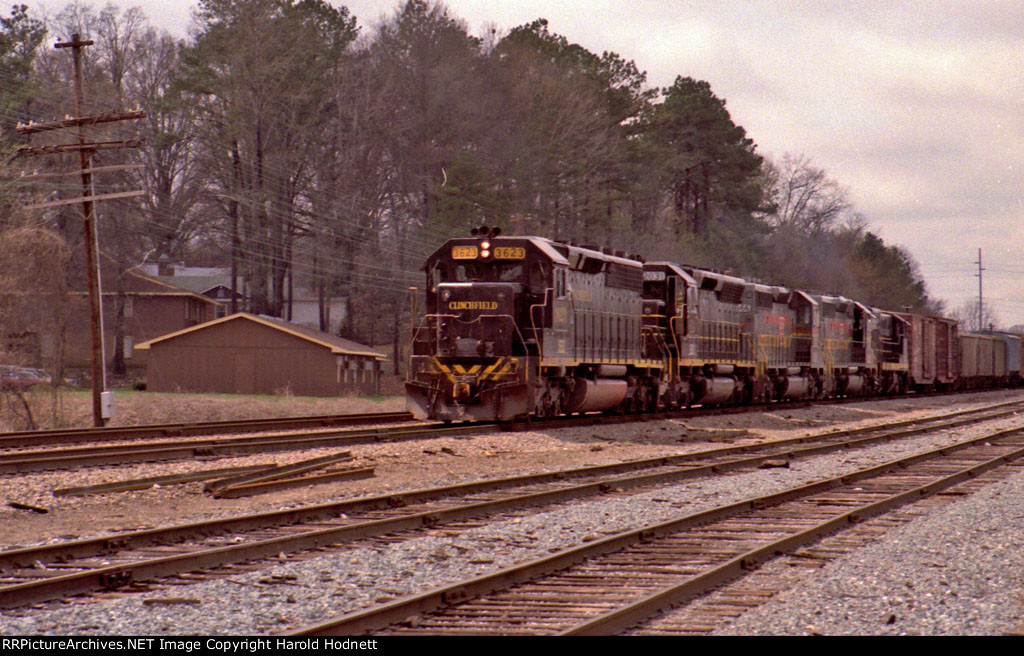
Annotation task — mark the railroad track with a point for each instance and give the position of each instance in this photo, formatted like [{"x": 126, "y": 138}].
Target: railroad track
[
  {"x": 619, "y": 583},
  {"x": 25, "y": 439},
  {"x": 185, "y": 449},
  {"x": 18, "y": 461},
  {"x": 38, "y": 574}
]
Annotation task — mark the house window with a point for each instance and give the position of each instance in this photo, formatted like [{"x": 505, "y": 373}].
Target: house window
[
  {"x": 195, "y": 311},
  {"x": 129, "y": 306},
  {"x": 127, "y": 347}
]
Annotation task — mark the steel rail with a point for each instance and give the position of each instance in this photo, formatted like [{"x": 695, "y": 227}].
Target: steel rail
[
  {"x": 447, "y": 597},
  {"x": 122, "y": 574},
  {"x": 71, "y": 457},
  {"x": 21, "y": 439},
  {"x": 628, "y": 616},
  {"x": 89, "y": 456}
]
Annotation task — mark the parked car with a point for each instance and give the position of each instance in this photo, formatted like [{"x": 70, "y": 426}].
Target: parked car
[{"x": 15, "y": 377}]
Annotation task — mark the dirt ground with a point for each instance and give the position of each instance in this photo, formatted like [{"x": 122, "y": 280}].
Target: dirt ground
[
  {"x": 72, "y": 408},
  {"x": 416, "y": 464}
]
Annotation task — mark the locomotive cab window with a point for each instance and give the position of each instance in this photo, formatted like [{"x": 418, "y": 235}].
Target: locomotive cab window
[
  {"x": 654, "y": 289},
  {"x": 478, "y": 272},
  {"x": 538, "y": 277},
  {"x": 560, "y": 283},
  {"x": 467, "y": 272},
  {"x": 510, "y": 272},
  {"x": 438, "y": 275}
]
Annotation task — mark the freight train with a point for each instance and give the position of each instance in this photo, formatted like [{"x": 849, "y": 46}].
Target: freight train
[{"x": 525, "y": 326}]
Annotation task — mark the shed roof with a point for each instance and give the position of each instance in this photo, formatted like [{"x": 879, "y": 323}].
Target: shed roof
[{"x": 336, "y": 344}]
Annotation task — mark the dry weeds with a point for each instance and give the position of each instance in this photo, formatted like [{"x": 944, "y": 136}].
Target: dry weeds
[{"x": 74, "y": 407}]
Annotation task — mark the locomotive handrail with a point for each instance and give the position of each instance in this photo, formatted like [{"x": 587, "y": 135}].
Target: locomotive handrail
[
  {"x": 760, "y": 358},
  {"x": 677, "y": 339},
  {"x": 423, "y": 324},
  {"x": 533, "y": 323},
  {"x": 718, "y": 344},
  {"x": 666, "y": 353},
  {"x": 844, "y": 345},
  {"x": 830, "y": 366}
]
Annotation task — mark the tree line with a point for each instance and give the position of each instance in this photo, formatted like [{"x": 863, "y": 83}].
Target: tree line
[{"x": 287, "y": 140}]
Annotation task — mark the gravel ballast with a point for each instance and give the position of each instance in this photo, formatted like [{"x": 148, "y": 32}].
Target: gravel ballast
[
  {"x": 978, "y": 541},
  {"x": 959, "y": 571}
]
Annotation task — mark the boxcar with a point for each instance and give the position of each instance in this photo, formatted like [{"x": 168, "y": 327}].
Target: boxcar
[{"x": 934, "y": 361}]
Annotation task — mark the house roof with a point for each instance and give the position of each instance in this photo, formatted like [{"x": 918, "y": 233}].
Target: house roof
[
  {"x": 138, "y": 280},
  {"x": 133, "y": 281},
  {"x": 198, "y": 284},
  {"x": 336, "y": 344},
  {"x": 138, "y": 283}
]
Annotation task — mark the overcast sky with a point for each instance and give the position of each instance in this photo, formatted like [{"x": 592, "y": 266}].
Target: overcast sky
[{"x": 916, "y": 107}]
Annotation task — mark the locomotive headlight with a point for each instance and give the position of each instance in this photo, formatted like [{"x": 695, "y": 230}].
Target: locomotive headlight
[
  {"x": 485, "y": 253},
  {"x": 485, "y": 245}
]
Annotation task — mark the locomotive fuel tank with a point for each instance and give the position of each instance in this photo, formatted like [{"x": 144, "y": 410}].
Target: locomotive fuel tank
[{"x": 595, "y": 395}]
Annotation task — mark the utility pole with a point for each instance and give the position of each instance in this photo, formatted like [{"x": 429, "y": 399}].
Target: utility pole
[
  {"x": 85, "y": 150},
  {"x": 981, "y": 324}
]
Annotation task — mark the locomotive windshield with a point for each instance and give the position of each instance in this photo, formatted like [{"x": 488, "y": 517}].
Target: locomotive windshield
[
  {"x": 654, "y": 289},
  {"x": 493, "y": 271}
]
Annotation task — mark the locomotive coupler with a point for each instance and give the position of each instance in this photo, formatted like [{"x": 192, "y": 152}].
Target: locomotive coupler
[{"x": 462, "y": 392}]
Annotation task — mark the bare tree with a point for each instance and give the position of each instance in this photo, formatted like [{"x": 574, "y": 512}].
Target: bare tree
[
  {"x": 804, "y": 197},
  {"x": 34, "y": 305},
  {"x": 257, "y": 71},
  {"x": 971, "y": 319},
  {"x": 122, "y": 45},
  {"x": 170, "y": 174},
  {"x": 351, "y": 183}
]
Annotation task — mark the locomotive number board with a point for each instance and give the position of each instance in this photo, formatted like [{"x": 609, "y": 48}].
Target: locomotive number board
[
  {"x": 463, "y": 252},
  {"x": 510, "y": 253}
]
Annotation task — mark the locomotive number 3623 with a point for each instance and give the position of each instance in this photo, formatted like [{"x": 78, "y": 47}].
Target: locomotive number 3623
[{"x": 510, "y": 253}]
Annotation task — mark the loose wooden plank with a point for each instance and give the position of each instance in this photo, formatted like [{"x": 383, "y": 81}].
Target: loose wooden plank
[
  {"x": 144, "y": 483},
  {"x": 279, "y": 472},
  {"x": 259, "y": 488}
]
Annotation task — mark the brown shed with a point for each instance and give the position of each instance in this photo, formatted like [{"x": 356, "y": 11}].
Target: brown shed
[{"x": 248, "y": 354}]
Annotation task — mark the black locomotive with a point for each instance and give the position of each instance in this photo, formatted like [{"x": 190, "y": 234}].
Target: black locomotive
[{"x": 521, "y": 326}]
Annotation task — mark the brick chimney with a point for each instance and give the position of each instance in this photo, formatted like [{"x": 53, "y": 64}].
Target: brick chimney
[{"x": 164, "y": 266}]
